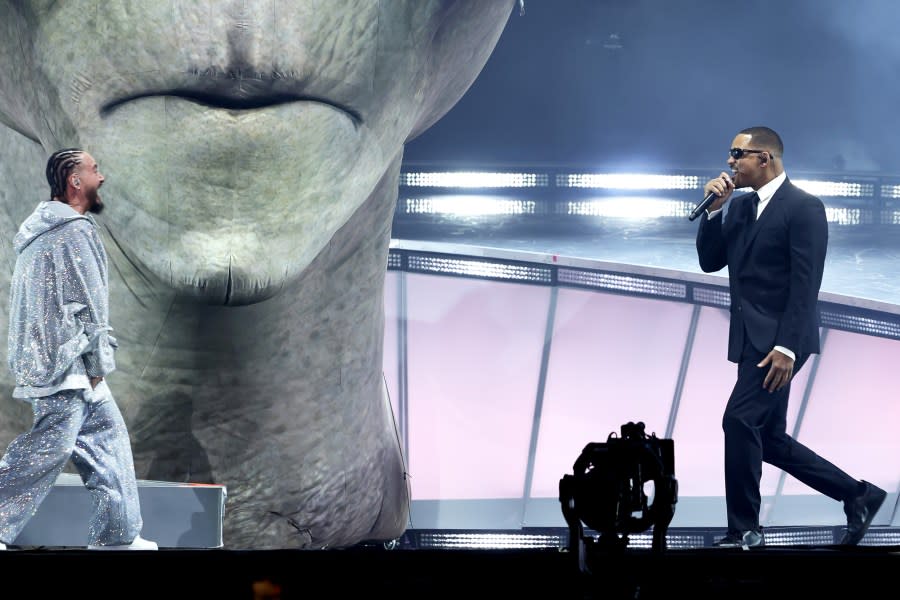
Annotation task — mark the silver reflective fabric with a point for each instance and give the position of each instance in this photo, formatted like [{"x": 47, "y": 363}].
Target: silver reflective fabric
[
  {"x": 59, "y": 337},
  {"x": 88, "y": 427},
  {"x": 59, "y": 307}
]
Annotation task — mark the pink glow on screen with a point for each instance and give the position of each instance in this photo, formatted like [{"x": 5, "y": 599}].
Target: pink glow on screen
[
  {"x": 853, "y": 412},
  {"x": 391, "y": 347},
  {"x": 697, "y": 436},
  {"x": 474, "y": 360},
  {"x": 614, "y": 359}
]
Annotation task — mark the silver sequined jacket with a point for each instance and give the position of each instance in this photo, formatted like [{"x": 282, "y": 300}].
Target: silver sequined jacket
[{"x": 59, "y": 334}]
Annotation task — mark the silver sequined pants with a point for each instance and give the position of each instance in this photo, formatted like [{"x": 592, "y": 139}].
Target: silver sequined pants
[{"x": 87, "y": 427}]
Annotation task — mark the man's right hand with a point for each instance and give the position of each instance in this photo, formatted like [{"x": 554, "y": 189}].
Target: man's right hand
[{"x": 722, "y": 186}]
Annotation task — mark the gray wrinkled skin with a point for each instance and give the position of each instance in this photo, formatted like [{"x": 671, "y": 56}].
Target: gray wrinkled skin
[{"x": 251, "y": 151}]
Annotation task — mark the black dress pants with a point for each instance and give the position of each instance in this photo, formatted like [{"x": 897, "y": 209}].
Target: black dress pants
[{"x": 755, "y": 426}]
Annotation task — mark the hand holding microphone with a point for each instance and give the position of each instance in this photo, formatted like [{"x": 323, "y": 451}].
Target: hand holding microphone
[{"x": 717, "y": 191}]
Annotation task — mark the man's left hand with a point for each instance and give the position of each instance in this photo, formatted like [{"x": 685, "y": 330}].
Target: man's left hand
[{"x": 781, "y": 369}]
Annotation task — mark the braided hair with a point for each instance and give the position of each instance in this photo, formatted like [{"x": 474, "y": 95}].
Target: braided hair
[{"x": 59, "y": 166}]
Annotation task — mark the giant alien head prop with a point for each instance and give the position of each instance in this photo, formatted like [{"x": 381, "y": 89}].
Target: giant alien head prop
[
  {"x": 251, "y": 147},
  {"x": 238, "y": 135}
]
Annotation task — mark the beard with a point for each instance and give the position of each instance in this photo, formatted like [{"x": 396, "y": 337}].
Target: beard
[{"x": 96, "y": 206}]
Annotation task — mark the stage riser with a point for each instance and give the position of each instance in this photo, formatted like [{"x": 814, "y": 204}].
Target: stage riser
[{"x": 175, "y": 515}]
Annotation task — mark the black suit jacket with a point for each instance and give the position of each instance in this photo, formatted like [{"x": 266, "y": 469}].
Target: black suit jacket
[{"x": 775, "y": 268}]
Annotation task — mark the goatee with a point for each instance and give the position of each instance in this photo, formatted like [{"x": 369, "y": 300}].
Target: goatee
[{"x": 96, "y": 204}]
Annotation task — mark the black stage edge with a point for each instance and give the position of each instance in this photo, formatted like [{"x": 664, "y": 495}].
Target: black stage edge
[{"x": 799, "y": 572}]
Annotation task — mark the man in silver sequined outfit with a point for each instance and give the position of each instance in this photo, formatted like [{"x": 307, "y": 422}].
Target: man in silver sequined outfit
[{"x": 60, "y": 352}]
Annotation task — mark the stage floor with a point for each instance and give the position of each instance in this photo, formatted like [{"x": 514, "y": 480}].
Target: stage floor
[{"x": 377, "y": 572}]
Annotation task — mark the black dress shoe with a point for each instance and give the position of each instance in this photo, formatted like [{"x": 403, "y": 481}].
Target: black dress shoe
[
  {"x": 860, "y": 511},
  {"x": 746, "y": 540}
]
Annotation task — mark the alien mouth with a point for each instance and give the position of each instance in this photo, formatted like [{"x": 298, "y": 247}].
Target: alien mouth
[{"x": 231, "y": 98}]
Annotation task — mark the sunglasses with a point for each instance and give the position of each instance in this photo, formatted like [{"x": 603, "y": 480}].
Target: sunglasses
[{"x": 737, "y": 153}]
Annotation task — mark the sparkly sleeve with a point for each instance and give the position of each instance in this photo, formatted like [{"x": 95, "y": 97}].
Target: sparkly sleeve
[{"x": 85, "y": 300}]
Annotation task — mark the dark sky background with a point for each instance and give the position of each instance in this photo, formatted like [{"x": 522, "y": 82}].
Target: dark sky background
[{"x": 666, "y": 84}]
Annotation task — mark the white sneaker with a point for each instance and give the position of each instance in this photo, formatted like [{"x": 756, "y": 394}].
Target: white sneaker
[
  {"x": 139, "y": 543},
  {"x": 2, "y": 546}
]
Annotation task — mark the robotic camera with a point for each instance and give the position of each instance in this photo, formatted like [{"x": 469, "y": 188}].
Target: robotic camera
[{"x": 606, "y": 491}]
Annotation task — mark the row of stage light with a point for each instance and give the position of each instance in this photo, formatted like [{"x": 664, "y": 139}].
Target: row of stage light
[
  {"x": 676, "y": 538},
  {"x": 860, "y": 201}
]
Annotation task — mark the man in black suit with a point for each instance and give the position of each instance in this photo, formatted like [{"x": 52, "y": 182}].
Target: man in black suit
[{"x": 773, "y": 241}]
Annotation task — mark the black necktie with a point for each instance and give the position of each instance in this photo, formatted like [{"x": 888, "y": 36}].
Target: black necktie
[{"x": 754, "y": 206}]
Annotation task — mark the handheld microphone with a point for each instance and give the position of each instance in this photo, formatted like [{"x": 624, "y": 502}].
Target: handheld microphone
[{"x": 710, "y": 198}]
